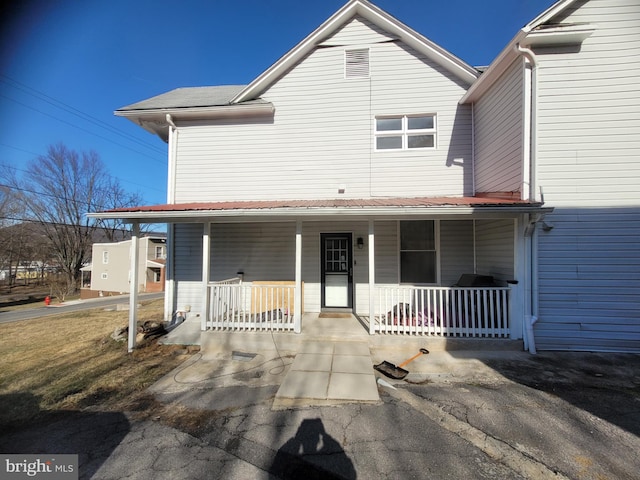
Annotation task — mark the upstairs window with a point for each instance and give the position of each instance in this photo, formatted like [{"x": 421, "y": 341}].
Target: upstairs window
[
  {"x": 105, "y": 257},
  {"x": 405, "y": 132},
  {"x": 356, "y": 63},
  {"x": 160, "y": 252}
]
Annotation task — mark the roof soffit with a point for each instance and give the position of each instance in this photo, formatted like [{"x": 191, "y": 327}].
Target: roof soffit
[
  {"x": 376, "y": 16},
  {"x": 527, "y": 36}
]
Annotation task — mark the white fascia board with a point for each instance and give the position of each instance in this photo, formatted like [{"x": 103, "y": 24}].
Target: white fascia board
[
  {"x": 559, "y": 35},
  {"x": 547, "y": 15},
  {"x": 284, "y": 214},
  {"x": 185, "y": 113},
  {"x": 508, "y": 55},
  {"x": 154, "y": 120},
  {"x": 500, "y": 65},
  {"x": 375, "y": 15}
]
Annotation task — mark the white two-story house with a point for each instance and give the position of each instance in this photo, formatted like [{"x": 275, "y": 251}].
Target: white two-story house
[{"x": 370, "y": 171}]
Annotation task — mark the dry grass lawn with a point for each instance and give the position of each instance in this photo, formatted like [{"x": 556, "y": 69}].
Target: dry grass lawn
[{"x": 70, "y": 362}]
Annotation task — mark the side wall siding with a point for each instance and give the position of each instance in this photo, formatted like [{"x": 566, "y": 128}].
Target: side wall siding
[
  {"x": 495, "y": 248},
  {"x": 187, "y": 273},
  {"x": 589, "y": 168},
  {"x": 456, "y": 250},
  {"x": 498, "y": 120}
]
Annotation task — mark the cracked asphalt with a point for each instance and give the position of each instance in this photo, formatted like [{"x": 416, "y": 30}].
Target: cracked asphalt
[{"x": 512, "y": 416}]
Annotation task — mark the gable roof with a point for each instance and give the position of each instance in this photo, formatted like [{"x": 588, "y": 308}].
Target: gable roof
[
  {"x": 537, "y": 32},
  {"x": 188, "y": 97},
  {"x": 190, "y": 102},
  {"x": 375, "y": 15}
]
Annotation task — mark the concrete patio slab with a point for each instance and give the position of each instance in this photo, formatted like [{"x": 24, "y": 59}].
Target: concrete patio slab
[
  {"x": 312, "y": 362},
  {"x": 352, "y": 364},
  {"x": 353, "y": 387},
  {"x": 302, "y": 384}
]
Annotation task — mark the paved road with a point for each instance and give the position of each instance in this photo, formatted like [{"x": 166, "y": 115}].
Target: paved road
[
  {"x": 554, "y": 416},
  {"x": 73, "y": 306}
]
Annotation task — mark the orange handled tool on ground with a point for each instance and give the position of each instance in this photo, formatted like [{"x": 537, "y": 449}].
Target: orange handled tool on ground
[{"x": 396, "y": 371}]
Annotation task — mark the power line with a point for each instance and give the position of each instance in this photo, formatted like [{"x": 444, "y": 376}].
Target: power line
[
  {"x": 83, "y": 129},
  {"x": 38, "y": 154},
  {"x": 51, "y": 195},
  {"x": 74, "y": 111}
]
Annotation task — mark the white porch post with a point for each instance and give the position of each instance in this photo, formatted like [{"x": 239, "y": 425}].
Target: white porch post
[
  {"x": 297, "y": 300},
  {"x": 372, "y": 279},
  {"x": 206, "y": 274},
  {"x": 133, "y": 287}
]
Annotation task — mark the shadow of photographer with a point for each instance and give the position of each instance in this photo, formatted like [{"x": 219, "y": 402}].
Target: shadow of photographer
[{"x": 312, "y": 454}]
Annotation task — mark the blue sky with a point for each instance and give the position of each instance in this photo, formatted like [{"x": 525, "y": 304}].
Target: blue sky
[{"x": 66, "y": 65}]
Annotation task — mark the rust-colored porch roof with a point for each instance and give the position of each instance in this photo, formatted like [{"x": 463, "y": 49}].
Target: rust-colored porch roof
[{"x": 366, "y": 207}]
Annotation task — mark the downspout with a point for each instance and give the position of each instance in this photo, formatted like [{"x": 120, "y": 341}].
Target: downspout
[
  {"x": 532, "y": 251},
  {"x": 473, "y": 149},
  {"x": 533, "y": 125},
  {"x": 170, "y": 266},
  {"x": 173, "y": 147}
]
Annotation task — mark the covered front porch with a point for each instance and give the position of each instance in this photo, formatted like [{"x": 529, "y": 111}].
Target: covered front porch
[{"x": 396, "y": 264}]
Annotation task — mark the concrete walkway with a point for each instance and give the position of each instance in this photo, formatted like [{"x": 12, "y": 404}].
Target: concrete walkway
[
  {"x": 329, "y": 373},
  {"x": 329, "y": 363}
]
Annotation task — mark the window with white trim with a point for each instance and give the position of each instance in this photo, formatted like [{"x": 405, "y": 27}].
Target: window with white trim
[
  {"x": 418, "y": 253},
  {"x": 160, "y": 252},
  {"x": 403, "y": 132},
  {"x": 104, "y": 276},
  {"x": 105, "y": 256}
]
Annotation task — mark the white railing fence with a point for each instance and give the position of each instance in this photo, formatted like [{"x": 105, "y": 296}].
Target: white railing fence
[
  {"x": 443, "y": 311},
  {"x": 243, "y": 306}
]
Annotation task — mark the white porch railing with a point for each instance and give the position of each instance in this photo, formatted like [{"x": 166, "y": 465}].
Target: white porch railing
[
  {"x": 243, "y": 306},
  {"x": 443, "y": 311}
]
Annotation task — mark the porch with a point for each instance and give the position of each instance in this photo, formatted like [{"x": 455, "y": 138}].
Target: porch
[{"x": 392, "y": 262}]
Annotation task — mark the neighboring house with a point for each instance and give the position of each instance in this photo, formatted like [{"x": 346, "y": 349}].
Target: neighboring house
[
  {"x": 371, "y": 171},
  {"x": 110, "y": 272}
]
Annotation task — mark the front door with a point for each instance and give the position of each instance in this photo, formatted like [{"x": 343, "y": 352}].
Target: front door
[{"x": 336, "y": 270}]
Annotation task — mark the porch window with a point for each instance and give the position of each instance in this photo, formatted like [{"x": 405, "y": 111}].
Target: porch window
[
  {"x": 405, "y": 132},
  {"x": 418, "y": 252}
]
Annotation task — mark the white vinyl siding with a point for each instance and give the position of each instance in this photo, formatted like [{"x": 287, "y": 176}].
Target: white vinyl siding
[
  {"x": 187, "y": 272},
  {"x": 320, "y": 137},
  {"x": 589, "y": 119},
  {"x": 263, "y": 251},
  {"x": 495, "y": 248},
  {"x": 456, "y": 250},
  {"x": 498, "y": 118}
]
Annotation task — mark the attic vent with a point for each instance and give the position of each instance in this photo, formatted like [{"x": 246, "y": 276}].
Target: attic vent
[{"x": 356, "y": 63}]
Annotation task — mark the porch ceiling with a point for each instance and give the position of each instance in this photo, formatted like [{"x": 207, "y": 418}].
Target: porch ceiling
[{"x": 274, "y": 210}]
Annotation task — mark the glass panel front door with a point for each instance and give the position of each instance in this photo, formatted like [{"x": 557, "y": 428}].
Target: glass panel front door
[{"x": 336, "y": 270}]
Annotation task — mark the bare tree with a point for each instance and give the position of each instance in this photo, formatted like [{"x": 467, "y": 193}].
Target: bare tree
[
  {"x": 11, "y": 233},
  {"x": 115, "y": 197},
  {"x": 59, "y": 189}
]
